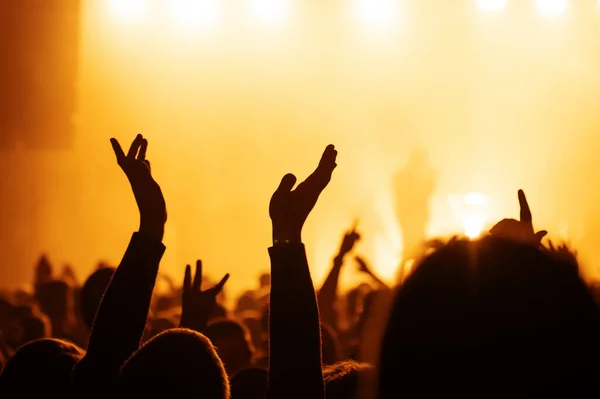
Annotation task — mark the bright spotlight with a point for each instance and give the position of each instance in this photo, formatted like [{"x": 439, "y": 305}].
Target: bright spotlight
[
  {"x": 473, "y": 225},
  {"x": 492, "y": 4},
  {"x": 377, "y": 12},
  {"x": 196, "y": 13},
  {"x": 551, "y": 6},
  {"x": 473, "y": 215},
  {"x": 269, "y": 10},
  {"x": 128, "y": 9}
]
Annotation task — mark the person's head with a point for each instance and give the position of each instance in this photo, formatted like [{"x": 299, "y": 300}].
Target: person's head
[
  {"x": 233, "y": 344},
  {"x": 490, "y": 314},
  {"x": 92, "y": 292},
  {"x": 349, "y": 380},
  {"x": 249, "y": 384},
  {"x": 265, "y": 280},
  {"x": 175, "y": 363},
  {"x": 54, "y": 298},
  {"x": 5, "y": 310},
  {"x": 41, "y": 367},
  {"x": 245, "y": 302}
]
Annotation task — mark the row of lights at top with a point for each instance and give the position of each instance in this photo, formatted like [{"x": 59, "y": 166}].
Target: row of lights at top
[
  {"x": 206, "y": 12},
  {"x": 546, "y": 6}
]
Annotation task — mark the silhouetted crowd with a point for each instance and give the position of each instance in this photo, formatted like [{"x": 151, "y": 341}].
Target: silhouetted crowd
[{"x": 504, "y": 315}]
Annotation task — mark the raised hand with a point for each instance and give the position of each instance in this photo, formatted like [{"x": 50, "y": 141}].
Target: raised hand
[
  {"x": 290, "y": 208},
  {"x": 149, "y": 197},
  {"x": 197, "y": 305},
  {"x": 363, "y": 266},
  {"x": 43, "y": 271},
  {"x": 350, "y": 239},
  {"x": 519, "y": 230}
]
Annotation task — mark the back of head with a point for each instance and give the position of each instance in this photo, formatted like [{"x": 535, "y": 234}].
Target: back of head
[
  {"x": 40, "y": 367},
  {"x": 35, "y": 327},
  {"x": 92, "y": 292},
  {"x": 490, "y": 316},
  {"x": 349, "y": 380},
  {"x": 175, "y": 363},
  {"x": 249, "y": 384},
  {"x": 233, "y": 343}
]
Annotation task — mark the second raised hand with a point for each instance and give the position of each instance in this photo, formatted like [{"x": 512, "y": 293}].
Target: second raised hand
[
  {"x": 290, "y": 208},
  {"x": 147, "y": 192},
  {"x": 197, "y": 305}
]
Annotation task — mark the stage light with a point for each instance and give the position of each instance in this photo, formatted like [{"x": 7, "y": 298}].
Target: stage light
[
  {"x": 269, "y": 10},
  {"x": 473, "y": 216},
  {"x": 551, "y": 6},
  {"x": 128, "y": 9},
  {"x": 473, "y": 225},
  {"x": 492, "y": 4},
  {"x": 377, "y": 12},
  {"x": 195, "y": 13}
]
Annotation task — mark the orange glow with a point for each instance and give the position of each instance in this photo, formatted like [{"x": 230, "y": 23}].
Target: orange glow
[{"x": 498, "y": 103}]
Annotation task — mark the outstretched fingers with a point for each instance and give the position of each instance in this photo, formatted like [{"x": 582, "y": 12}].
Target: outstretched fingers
[
  {"x": 187, "y": 279},
  {"x": 135, "y": 146},
  {"x": 118, "y": 151},
  {"x": 198, "y": 276},
  {"x": 221, "y": 284},
  {"x": 141, "y": 156},
  {"x": 525, "y": 214}
]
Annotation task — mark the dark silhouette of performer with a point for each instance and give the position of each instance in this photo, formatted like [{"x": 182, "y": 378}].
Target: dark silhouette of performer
[{"x": 414, "y": 185}]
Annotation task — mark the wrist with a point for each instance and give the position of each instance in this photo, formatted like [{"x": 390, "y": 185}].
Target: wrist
[
  {"x": 154, "y": 230},
  {"x": 280, "y": 237}
]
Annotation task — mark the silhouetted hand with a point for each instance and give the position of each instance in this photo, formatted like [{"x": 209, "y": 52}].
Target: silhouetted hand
[
  {"x": 68, "y": 275},
  {"x": 43, "y": 271},
  {"x": 350, "y": 239},
  {"x": 149, "y": 197},
  {"x": 363, "y": 266},
  {"x": 519, "y": 230},
  {"x": 197, "y": 305},
  {"x": 290, "y": 208}
]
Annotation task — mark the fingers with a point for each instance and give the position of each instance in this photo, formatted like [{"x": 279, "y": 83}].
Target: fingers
[
  {"x": 525, "y": 211},
  {"x": 135, "y": 146},
  {"x": 142, "y": 153},
  {"x": 287, "y": 183},
  {"x": 117, "y": 150},
  {"x": 187, "y": 279},
  {"x": 328, "y": 158},
  {"x": 219, "y": 287},
  {"x": 198, "y": 276}
]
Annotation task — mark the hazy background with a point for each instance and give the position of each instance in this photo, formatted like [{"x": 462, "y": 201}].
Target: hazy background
[{"x": 231, "y": 100}]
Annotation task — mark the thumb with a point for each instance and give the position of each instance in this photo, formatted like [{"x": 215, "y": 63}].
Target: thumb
[
  {"x": 287, "y": 183},
  {"x": 540, "y": 235}
]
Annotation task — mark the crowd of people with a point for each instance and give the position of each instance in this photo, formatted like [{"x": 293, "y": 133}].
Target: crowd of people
[{"x": 506, "y": 314}]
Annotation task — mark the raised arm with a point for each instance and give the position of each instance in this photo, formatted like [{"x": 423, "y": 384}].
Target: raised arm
[
  {"x": 327, "y": 295},
  {"x": 295, "y": 369},
  {"x": 121, "y": 317}
]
